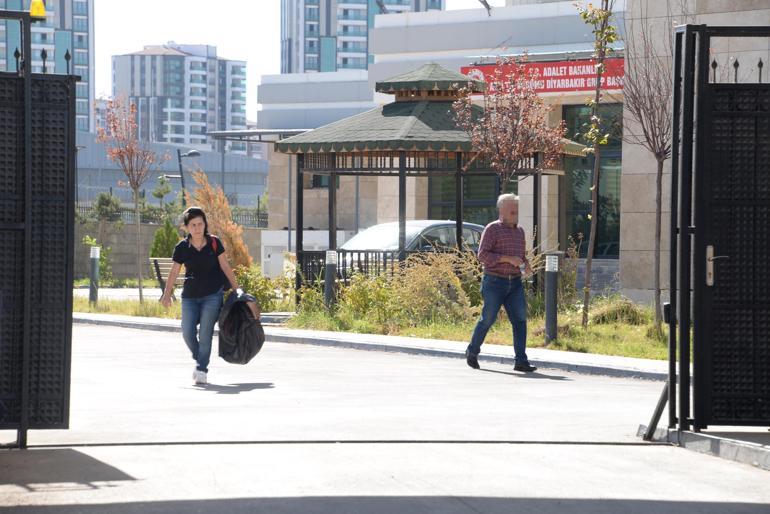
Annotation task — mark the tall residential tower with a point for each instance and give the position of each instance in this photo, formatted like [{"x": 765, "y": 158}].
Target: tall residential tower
[
  {"x": 182, "y": 92},
  {"x": 331, "y": 35},
  {"x": 69, "y": 26}
]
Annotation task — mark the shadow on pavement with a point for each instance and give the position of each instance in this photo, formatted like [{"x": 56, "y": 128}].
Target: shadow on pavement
[
  {"x": 401, "y": 505},
  {"x": 534, "y": 375},
  {"x": 32, "y": 469},
  {"x": 235, "y": 388}
]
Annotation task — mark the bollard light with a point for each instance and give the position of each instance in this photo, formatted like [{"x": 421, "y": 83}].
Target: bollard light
[
  {"x": 551, "y": 296},
  {"x": 330, "y": 277},
  {"x": 551, "y": 263},
  {"x": 93, "y": 288}
]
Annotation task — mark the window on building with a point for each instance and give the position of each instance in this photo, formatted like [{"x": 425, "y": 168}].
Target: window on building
[
  {"x": 81, "y": 123},
  {"x": 80, "y": 24},
  {"x": 322, "y": 182},
  {"x": 479, "y": 198},
  {"x": 80, "y": 8},
  {"x": 311, "y": 62},
  {"x": 81, "y": 57},
  {"x": 578, "y": 177}
]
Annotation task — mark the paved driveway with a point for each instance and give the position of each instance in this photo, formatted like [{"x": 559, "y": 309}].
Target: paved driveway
[{"x": 312, "y": 429}]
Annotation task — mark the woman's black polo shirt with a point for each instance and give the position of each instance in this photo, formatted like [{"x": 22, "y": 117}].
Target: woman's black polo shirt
[{"x": 203, "y": 275}]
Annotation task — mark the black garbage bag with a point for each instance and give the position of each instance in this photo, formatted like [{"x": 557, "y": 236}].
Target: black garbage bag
[{"x": 240, "y": 335}]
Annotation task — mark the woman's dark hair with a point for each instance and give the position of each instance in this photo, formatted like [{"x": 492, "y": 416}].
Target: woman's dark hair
[{"x": 195, "y": 212}]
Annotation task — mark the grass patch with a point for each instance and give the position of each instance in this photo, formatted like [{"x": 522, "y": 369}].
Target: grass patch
[
  {"x": 619, "y": 339},
  {"x": 117, "y": 283},
  {"x": 150, "y": 308}
]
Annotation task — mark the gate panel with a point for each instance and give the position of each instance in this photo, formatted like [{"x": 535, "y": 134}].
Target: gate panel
[
  {"x": 732, "y": 342},
  {"x": 52, "y": 241}
]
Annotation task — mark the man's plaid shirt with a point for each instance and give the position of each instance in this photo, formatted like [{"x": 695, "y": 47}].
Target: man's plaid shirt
[{"x": 498, "y": 240}]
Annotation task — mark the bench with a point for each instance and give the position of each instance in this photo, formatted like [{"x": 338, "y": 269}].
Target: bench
[{"x": 161, "y": 267}]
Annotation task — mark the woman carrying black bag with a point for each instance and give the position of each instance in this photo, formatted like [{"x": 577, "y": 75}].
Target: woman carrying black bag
[{"x": 207, "y": 272}]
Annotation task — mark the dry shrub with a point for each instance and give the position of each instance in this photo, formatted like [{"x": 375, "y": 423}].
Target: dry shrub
[
  {"x": 428, "y": 289},
  {"x": 220, "y": 220},
  {"x": 618, "y": 309}
]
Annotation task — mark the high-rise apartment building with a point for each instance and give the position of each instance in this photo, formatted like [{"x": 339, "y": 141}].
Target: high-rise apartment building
[
  {"x": 182, "y": 92},
  {"x": 331, "y": 35},
  {"x": 68, "y": 27}
]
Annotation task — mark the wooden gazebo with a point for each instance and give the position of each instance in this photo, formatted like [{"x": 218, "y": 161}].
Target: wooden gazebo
[{"x": 415, "y": 136}]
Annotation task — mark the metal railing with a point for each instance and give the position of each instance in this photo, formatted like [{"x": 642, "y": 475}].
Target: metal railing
[{"x": 250, "y": 219}]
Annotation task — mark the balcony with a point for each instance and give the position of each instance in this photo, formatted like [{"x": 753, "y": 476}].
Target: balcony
[
  {"x": 351, "y": 47},
  {"x": 352, "y": 31},
  {"x": 352, "y": 16}
]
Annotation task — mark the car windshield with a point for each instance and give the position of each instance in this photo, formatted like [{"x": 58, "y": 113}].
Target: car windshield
[{"x": 379, "y": 237}]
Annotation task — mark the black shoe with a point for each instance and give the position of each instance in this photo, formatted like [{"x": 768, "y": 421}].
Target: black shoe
[
  {"x": 524, "y": 367},
  {"x": 472, "y": 360}
]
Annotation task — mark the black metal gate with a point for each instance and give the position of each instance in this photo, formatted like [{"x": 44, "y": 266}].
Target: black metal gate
[
  {"x": 37, "y": 163},
  {"x": 724, "y": 234}
]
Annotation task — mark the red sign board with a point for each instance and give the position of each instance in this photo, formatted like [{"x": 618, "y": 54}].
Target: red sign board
[{"x": 561, "y": 76}]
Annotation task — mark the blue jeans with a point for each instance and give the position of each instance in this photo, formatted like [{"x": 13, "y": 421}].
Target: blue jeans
[
  {"x": 203, "y": 311},
  {"x": 502, "y": 292}
]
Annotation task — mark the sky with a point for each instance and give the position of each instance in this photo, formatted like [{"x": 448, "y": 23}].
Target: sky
[{"x": 246, "y": 30}]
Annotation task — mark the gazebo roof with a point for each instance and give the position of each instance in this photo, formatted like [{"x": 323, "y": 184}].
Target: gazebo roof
[
  {"x": 408, "y": 126},
  {"x": 415, "y": 123},
  {"x": 430, "y": 77}
]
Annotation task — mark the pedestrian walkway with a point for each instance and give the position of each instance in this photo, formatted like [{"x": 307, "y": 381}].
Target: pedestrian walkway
[{"x": 554, "y": 359}]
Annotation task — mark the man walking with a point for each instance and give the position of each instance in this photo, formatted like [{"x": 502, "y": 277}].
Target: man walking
[{"x": 502, "y": 252}]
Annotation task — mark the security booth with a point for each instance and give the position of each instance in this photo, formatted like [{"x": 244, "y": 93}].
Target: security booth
[
  {"x": 37, "y": 211},
  {"x": 720, "y": 235},
  {"x": 414, "y": 136}
]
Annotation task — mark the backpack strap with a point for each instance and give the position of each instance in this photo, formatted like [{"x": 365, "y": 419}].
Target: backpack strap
[{"x": 214, "y": 244}]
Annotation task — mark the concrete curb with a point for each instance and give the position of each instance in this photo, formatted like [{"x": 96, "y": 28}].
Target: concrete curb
[
  {"x": 744, "y": 452},
  {"x": 277, "y": 335}
]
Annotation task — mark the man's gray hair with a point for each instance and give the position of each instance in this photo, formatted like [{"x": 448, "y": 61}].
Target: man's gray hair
[{"x": 506, "y": 198}]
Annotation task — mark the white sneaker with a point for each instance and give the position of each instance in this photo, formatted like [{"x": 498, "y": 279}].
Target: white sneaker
[{"x": 200, "y": 378}]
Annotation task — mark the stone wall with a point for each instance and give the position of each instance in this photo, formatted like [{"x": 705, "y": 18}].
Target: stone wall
[{"x": 122, "y": 240}]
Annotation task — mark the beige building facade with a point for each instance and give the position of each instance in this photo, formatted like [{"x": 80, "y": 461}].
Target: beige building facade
[{"x": 404, "y": 42}]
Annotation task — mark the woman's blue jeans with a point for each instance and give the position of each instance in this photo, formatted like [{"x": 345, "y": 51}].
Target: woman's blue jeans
[
  {"x": 508, "y": 293},
  {"x": 202, "y": 311}
]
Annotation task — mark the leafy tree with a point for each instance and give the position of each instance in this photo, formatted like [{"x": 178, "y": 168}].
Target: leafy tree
[
  {"x": 162, "y": 189},
  {"x": 600, "y": 18},
  {"x": 511, "y": 125},
  {"x": 166, "y": 238},
  {"x": 123, "y": 148}
]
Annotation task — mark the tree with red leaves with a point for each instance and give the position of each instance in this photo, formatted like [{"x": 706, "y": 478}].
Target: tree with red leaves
[
  {"x": 137, "y": 163},
  {"x": 511, "y": 124}
]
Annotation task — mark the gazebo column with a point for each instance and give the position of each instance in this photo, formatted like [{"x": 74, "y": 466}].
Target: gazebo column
[
  {"x": 333, "y": 205},
  {"x": 401, "y": 206},
  {"x": 300, "y": 221},
  {"x": 459, "y": 196}
]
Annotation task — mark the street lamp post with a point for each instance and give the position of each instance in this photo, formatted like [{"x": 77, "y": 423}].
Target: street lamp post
[{"x": 179, "y": 155}]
